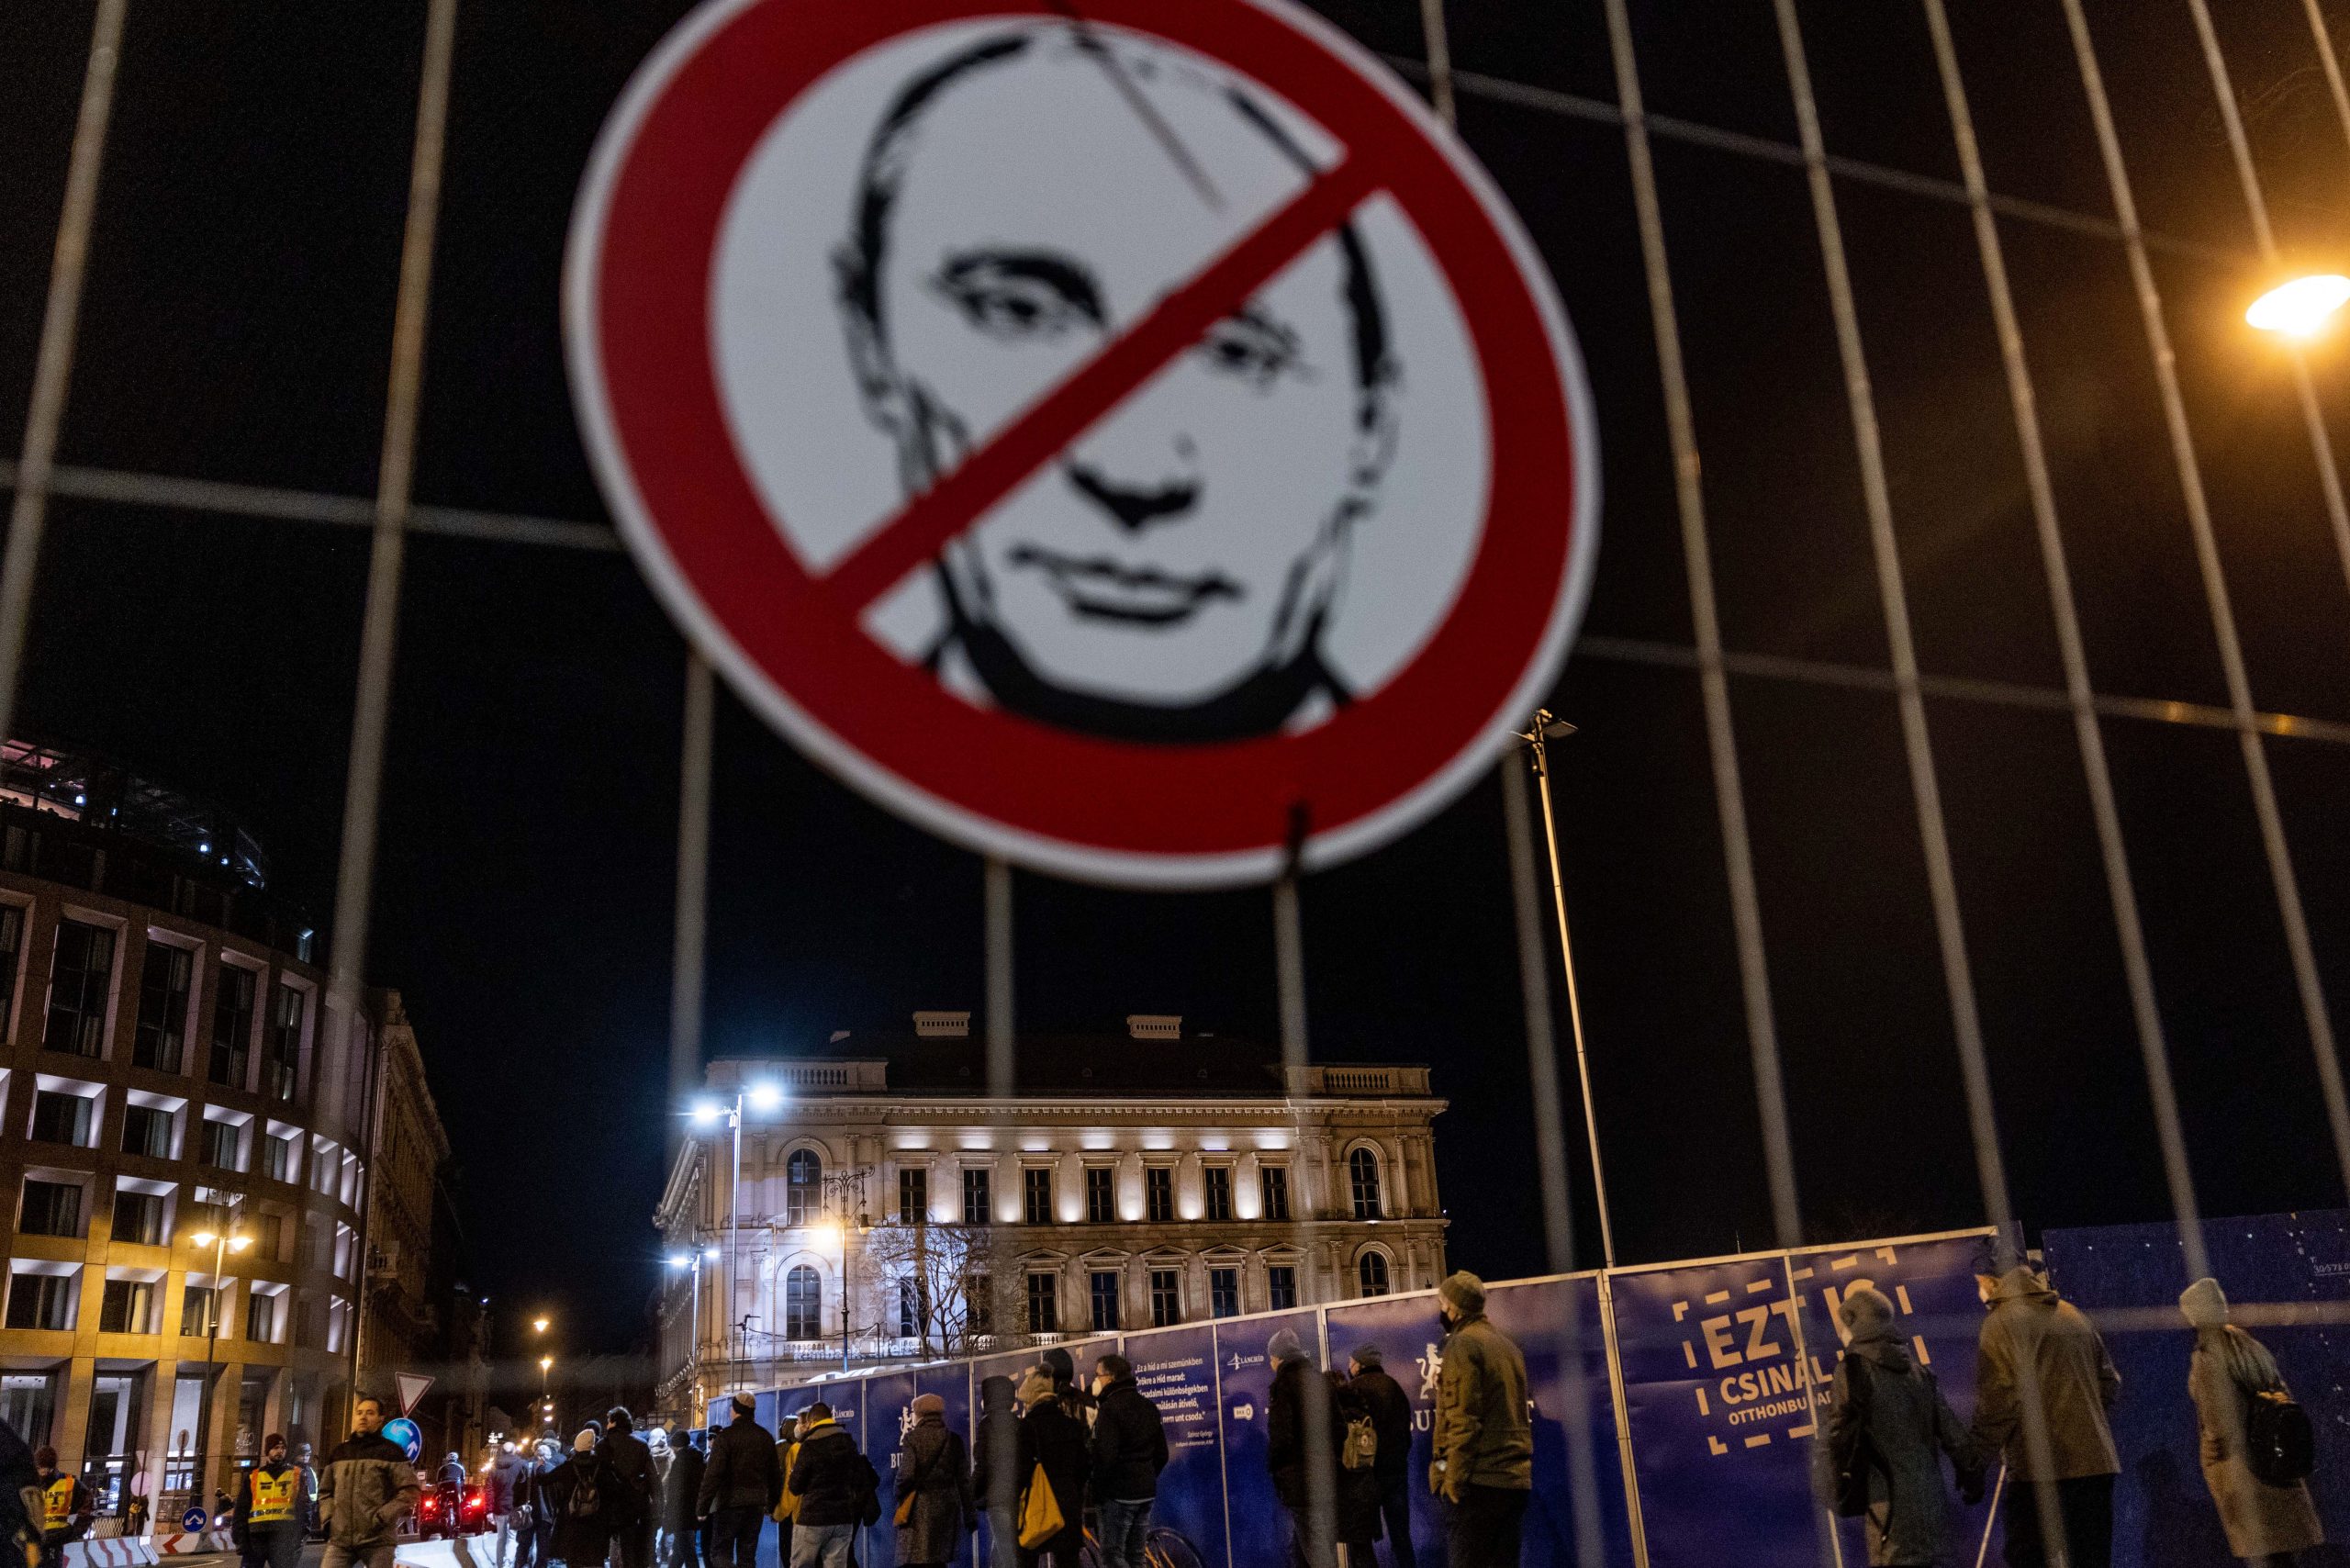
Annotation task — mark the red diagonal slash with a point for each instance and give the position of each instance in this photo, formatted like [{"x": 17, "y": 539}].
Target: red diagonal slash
[{"x": 1168, "y": 328}]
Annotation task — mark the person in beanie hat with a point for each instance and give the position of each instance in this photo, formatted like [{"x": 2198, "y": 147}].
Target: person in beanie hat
[
  {"x": 65, "y": 1506},
  {"x": 271, "y": 1506},
  {"x": 1881, "y": 1396},
  {"x": 1391, "y": 1418},
  {"x": 2265, "y": 1524},
  {"x": 1129, "y": 1451},
  {"x": 1484, "y": 1438},
  {"x": 740, "y": 1481},
  {"x": 2028, "y": 1325},
  {"x": 933, "y": 1468}
]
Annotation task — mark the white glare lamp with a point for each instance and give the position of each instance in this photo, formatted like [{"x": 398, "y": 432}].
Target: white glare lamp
[
  {"x": 764, "y": 1096},
  {"x": 2302, "y": 309},
  {"x": 705, "y": 1111}
]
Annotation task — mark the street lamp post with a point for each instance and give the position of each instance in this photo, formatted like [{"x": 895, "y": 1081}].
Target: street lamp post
[
  {"x": 1545, "y": 729},
  {"x": 231, "y": 1237},
  {"x": 762, "y": 1097},
  {"x": 693, "y": 1344}
]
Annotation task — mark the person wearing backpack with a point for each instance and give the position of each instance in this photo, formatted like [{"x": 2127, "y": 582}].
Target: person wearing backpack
[
  {"x": 1390, "y": 1410},
  {"x": 2248, "y": 1424},
  {"x": 1129, "y": 1451},
  {"x": 1881, "y": 1447},
  {"x": 628, "y": 1488},
  {"x": 1358, "y": 1500},
  {"x": 837, "y": 1485},
  {"x": 574, "y": 1491}
]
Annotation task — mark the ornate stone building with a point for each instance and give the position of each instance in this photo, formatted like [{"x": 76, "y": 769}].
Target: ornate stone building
[{"x": 890, "y": 1207}]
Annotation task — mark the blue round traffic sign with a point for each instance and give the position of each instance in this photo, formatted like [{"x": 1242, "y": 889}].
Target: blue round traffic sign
[
  {"x": 194, "y": 1519},
  {"x": 406, "y": 1433}
]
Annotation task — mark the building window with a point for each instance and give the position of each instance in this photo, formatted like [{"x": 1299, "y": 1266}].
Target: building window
[
  {"x": 196, "y": 1307},
  {"x": 281, "y": 1042},
  {"x": 1101, "y": 1195},
  {"x": 804, "y": 1187},
  {"x": 1362, "y": 1176},
  {"x": 233, "y": 1025},
  {"x": 1166, "y": 1298},
  {"x": 224, "y": 1146},
  {"x": 1372, "y": 1272},
  {"x": 40, "y": 1301},
  {"x": 1158, "y": 1193},
  {"x": 1044, "y": 1304},
  {"x": 1215, "y": 1183},
  {"x": 62, "y": 1118},
  {"x": 51, "y": 1208},
  {"x": 260, "y": 1317},
  {"x": 979, "y": 1302},
  {"x": 1102, "y": 1286},
  {"x": 1272, "y": 1180},
  {"x": 803, "y": 1305},
  {"x": 277, "y": 1156},
  {"x": 12, "y": 941},
  {"x": 269, "y": 1240},
  {"x": 913, "y": 1197},
  {"x": 138, "y": 1218},
  {"x": 161, "y": 1039},
  {"x": 1224, "y": 1292},
  {"x": 1281, "y": 1288},
  {"x": 79, "y": 978},
  {"x": 127, "y": 1307},
  {"x": 147, "y": 1130},
  {"x": 1036, "y": 1193},
  {"x": 914, "y": 1307},
  {"x": 976, "y": 1208}
]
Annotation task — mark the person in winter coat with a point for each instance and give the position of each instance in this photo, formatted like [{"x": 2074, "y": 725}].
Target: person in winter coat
[
  {"x": 1390, "y": 1410},
  {"x": 1290, "y": 1426},
  {"x": 934, "y": 1469},
  {"x": 367, "y": 1487},
  {"x": 1129, "y": 1451},
  {"x": 1052, "y": 1437},
  {"x": 573, "y": 1490},
  {"x": 506, "y": 1471},
  {"x": 681, "y": 1504},
  {"x": 835, "y": 1481},
  {"x": 530, "y": 1513},
  {"x": 1484, "y": 1436},
  {"x": 739, "y": 1485},
  {"x": 1358, "y": 1490},
  {"x": 786, "y": 1503},
  {"x": 995, "y": 1470},
  {"x": 2267, "y": 1525},
  {"x": 65, "y": 1508},
  {"x": 1076, "y": 1400},
  {"x": 628, "y": 1487},
  {"x": 267, "y": 1522},
  {"x": 2029, "y": 1326},
  {"x": 20, "y": 1495},
  {"x": 1882, "y": 1398}
]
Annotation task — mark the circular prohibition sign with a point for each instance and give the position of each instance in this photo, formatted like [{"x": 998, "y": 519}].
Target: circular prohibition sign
[{"x": 789, "y": 632}]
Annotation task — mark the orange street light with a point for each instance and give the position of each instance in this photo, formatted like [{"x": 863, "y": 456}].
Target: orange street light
[{"x": 2302, "y": 309}]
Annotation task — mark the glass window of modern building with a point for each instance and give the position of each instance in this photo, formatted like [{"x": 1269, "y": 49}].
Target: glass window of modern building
[
  {"x": 232, "y": 1025},
  {"x": 81, "y": 975},
  {"x": 160, "y": 1040}
]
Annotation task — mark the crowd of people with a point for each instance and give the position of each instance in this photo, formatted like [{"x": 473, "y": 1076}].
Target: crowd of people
[
  {"x": 1053, "y": 1460},
  {"x": 2044, "y": 1387}
]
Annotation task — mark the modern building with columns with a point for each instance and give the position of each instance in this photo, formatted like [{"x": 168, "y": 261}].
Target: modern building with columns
[
  {"x": 187, "y": 1113},
  {"x": 890, "y": 1207}
]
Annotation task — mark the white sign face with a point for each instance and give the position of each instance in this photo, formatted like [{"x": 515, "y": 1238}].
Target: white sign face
[
  {"x": 412, "y": 1388},
  {"x": 1107, "y": 442}
]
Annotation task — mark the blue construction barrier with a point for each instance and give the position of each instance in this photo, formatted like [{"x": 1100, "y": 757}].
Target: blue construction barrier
[{"x": 1700, "y": 1372}]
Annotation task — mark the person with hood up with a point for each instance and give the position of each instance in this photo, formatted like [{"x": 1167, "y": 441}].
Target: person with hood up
[
  {"x": 2030, "y": 1333},
  {"x": 1484, "y": 1436},
  {"x": 681, "y": 1503},
  {"x": 1289, "y": 1428},
  {"x": 1884, "y": 1399},
  {"x": 367, "y": 1487},
  {"x": 935, "y": 1470},
  {"x": 628, "y": 1488},
  {"x": 835, "y": 1481},
  {"x": 995, "y": 1469},
  {"x": 267, "y": 1524},
  {"x": 739, "y": 1485},
  {"x": 574, "y": 1493},
  {"x": 65, "y": 1506},
  {"x": 1129, "y": 1451},
  {"x": 1052, "y": 1437},
  {"x": 2267, "y": 1526},
  {"x": 1390, "y": 1410}
]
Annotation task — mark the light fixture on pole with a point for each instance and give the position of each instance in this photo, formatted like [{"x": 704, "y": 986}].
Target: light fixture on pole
[
  {"x": 229, "y": 1237},
  {"x": 539, "y": 1325},
  {"x": 760, "y": 1096},
  {"x": 2302, "y": 308},
  {"x": 1545, "y": 729}
]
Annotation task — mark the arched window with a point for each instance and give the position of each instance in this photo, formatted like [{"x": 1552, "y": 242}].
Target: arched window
[
  {"x": 1372, "y": 1271},
  {"x": 803, "y": 1179},
  {"x": 803, "y": 1304},
  {"x": 1362, "y": 1173}
]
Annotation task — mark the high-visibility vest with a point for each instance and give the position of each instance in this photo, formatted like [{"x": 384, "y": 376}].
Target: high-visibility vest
[
  {"x": 57, "y": 1503},
  {"x": 273, "y": 1496}
]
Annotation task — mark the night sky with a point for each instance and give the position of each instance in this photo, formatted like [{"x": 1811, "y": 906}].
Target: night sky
[{"x": 237, "y": 327}]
